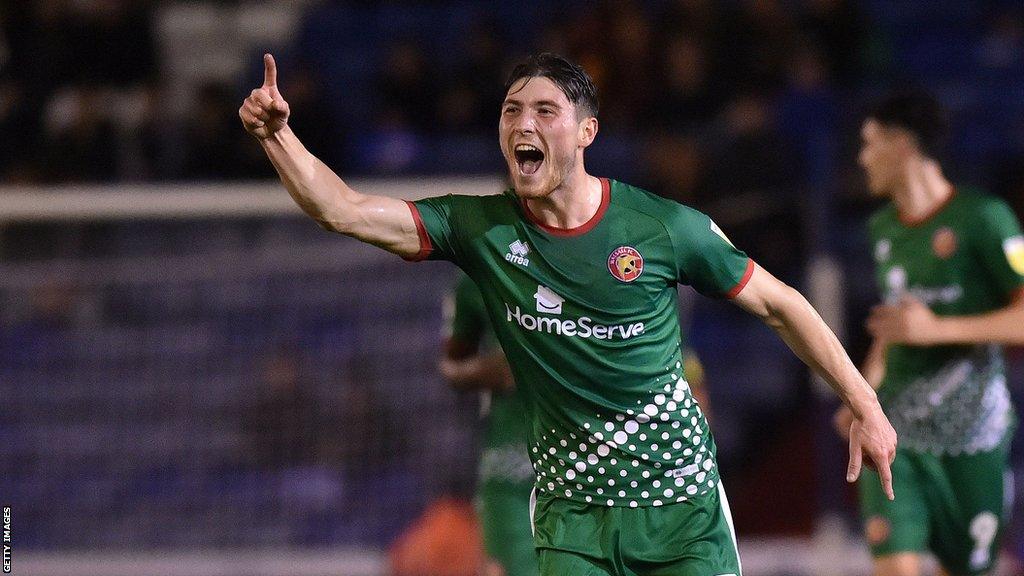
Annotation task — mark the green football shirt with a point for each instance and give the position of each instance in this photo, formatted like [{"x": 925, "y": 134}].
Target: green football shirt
[
  {"x": 967, "y": 258},
  {"x": 588, "y": 320},
  {"x": 503, "y": 458}
]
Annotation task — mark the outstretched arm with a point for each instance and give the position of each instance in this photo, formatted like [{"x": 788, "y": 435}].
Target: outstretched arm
[
  {"x": 792, "y": 317},
  {"x": 384, "y": 222}
]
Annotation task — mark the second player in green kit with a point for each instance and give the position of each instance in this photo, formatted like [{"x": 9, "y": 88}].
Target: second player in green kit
[
  {"x": 950, "y": 265},
  {"x": 473, "y": 361}
]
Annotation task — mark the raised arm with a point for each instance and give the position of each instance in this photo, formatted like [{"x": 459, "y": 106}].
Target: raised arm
[
  {"x": 381, "y": 221},
  {"x": 792, "y": 317}
]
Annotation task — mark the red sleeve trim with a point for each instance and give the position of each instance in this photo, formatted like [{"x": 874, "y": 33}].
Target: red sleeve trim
[
  {"x": 743, "y": 281},
  {"x": 425, "y": 246}
]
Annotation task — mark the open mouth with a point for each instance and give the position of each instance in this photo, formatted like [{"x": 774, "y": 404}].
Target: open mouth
[{"x": 529, "y": 158}]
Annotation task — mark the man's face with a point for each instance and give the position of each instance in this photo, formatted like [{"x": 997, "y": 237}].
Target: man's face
[
  {"x": 882, "y": 153},
  {"x": 540, "y": 135}
]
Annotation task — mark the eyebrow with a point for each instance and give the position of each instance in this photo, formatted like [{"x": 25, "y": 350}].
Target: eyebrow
[{"x": 551, "y": 103}]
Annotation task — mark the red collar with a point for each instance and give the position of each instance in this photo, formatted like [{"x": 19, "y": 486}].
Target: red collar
[{"x": 606, "y": 196}]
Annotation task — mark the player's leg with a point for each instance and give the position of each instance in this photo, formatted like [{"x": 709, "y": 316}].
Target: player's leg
[
  {"x": 563, "y": 563},
  {"x": 971, "y": 493},
  {"x": 694, "y": 537},
  {"x": 574, "y": 538},
  {"x": 897, "y": 532},
  {"x": 505, "y": 519}
]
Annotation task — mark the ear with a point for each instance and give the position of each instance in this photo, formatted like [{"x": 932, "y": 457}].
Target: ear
[{"x": 587, "y": 131}]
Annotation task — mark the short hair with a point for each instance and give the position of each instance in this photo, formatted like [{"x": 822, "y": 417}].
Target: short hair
[
  {"x": 918, "y": 113},
  {"x": 570, "y": 78}
]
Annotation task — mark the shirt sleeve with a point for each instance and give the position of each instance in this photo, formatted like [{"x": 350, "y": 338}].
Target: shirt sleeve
[
  {"x": 705, "y": 258},
  {"x": 438, "y": 228},
  {"x": 1001, "y": 246}
]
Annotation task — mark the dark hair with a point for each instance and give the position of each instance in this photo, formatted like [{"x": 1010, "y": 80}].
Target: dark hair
[
  {"x": 570, "y": 78},
  {"x": 918, "y": 113}
]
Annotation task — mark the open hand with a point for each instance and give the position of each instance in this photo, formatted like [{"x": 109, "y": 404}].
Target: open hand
[{"x": 265, "y": 111}]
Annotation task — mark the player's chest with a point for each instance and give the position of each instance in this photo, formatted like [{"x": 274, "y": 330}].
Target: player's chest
[
  {"x": 935, "y": 257},
  {"x": 608, "y": 267}
]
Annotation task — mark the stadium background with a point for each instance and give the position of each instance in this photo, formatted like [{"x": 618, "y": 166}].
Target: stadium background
[{"x": 194, "y": 379}]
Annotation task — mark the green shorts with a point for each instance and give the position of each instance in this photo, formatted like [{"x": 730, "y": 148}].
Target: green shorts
[
  {"x": 954, "y": 506},
  {"x": 691, "y": 538},
  {"x": 504, "y": 509}
]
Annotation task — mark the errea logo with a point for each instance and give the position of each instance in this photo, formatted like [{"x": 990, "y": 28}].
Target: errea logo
[{"x": 517, "y": 252}]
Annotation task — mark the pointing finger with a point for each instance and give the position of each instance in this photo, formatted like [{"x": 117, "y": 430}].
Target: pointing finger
[
  {"x": 886, "y": 474},
  {"x": 269, "y": 71}
]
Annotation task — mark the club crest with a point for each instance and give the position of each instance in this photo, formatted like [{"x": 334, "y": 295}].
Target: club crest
[
  {"x": 625, "y": 263},
  {"x": 944, "y": 243}
]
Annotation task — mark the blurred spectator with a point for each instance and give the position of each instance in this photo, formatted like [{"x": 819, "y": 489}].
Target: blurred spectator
[
  {"x": 471, "y": 95},
  {"x": 157, "y": 149},
  {"x": 407, "y": 89},
  {"x": 40, "y": 53},
  {"x": 113, "y": 38},
  {"x": 753, "y": 180},
  {"x": 696, "y": 18},
  {"x": 752, "y": 158},
  {"x": 840, "y": 28},
  {"x": 20, "y": 114},
  {"x": 675, "y": 167},
  {"x": 808, "y": 110},
  {"x": 81, "y": 143},
  {"x": 572, "y": 33},
  {"x": 756, "y": 41},
  {"x": 688, "y": 97},
  {"x": 632, "y": 65},
  {"x": 312, "y": 119}
]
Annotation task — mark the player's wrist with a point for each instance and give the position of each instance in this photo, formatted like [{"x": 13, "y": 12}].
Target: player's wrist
[
  {"x": 864, "y": 404},
  {"x": 270, "y": 137}
]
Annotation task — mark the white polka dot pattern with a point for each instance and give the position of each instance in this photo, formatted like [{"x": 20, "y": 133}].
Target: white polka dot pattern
[{"x": 658, "y": 453}]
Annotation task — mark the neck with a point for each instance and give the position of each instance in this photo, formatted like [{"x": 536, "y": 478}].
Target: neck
[
  {"x": 924, "y": 190},
  {"x": 572, "y": 204}
]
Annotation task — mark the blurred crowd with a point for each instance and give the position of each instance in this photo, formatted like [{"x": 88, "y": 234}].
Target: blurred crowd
[
  {"x": 709, "y": 87},
  {"x": 739, "y": 108}
]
